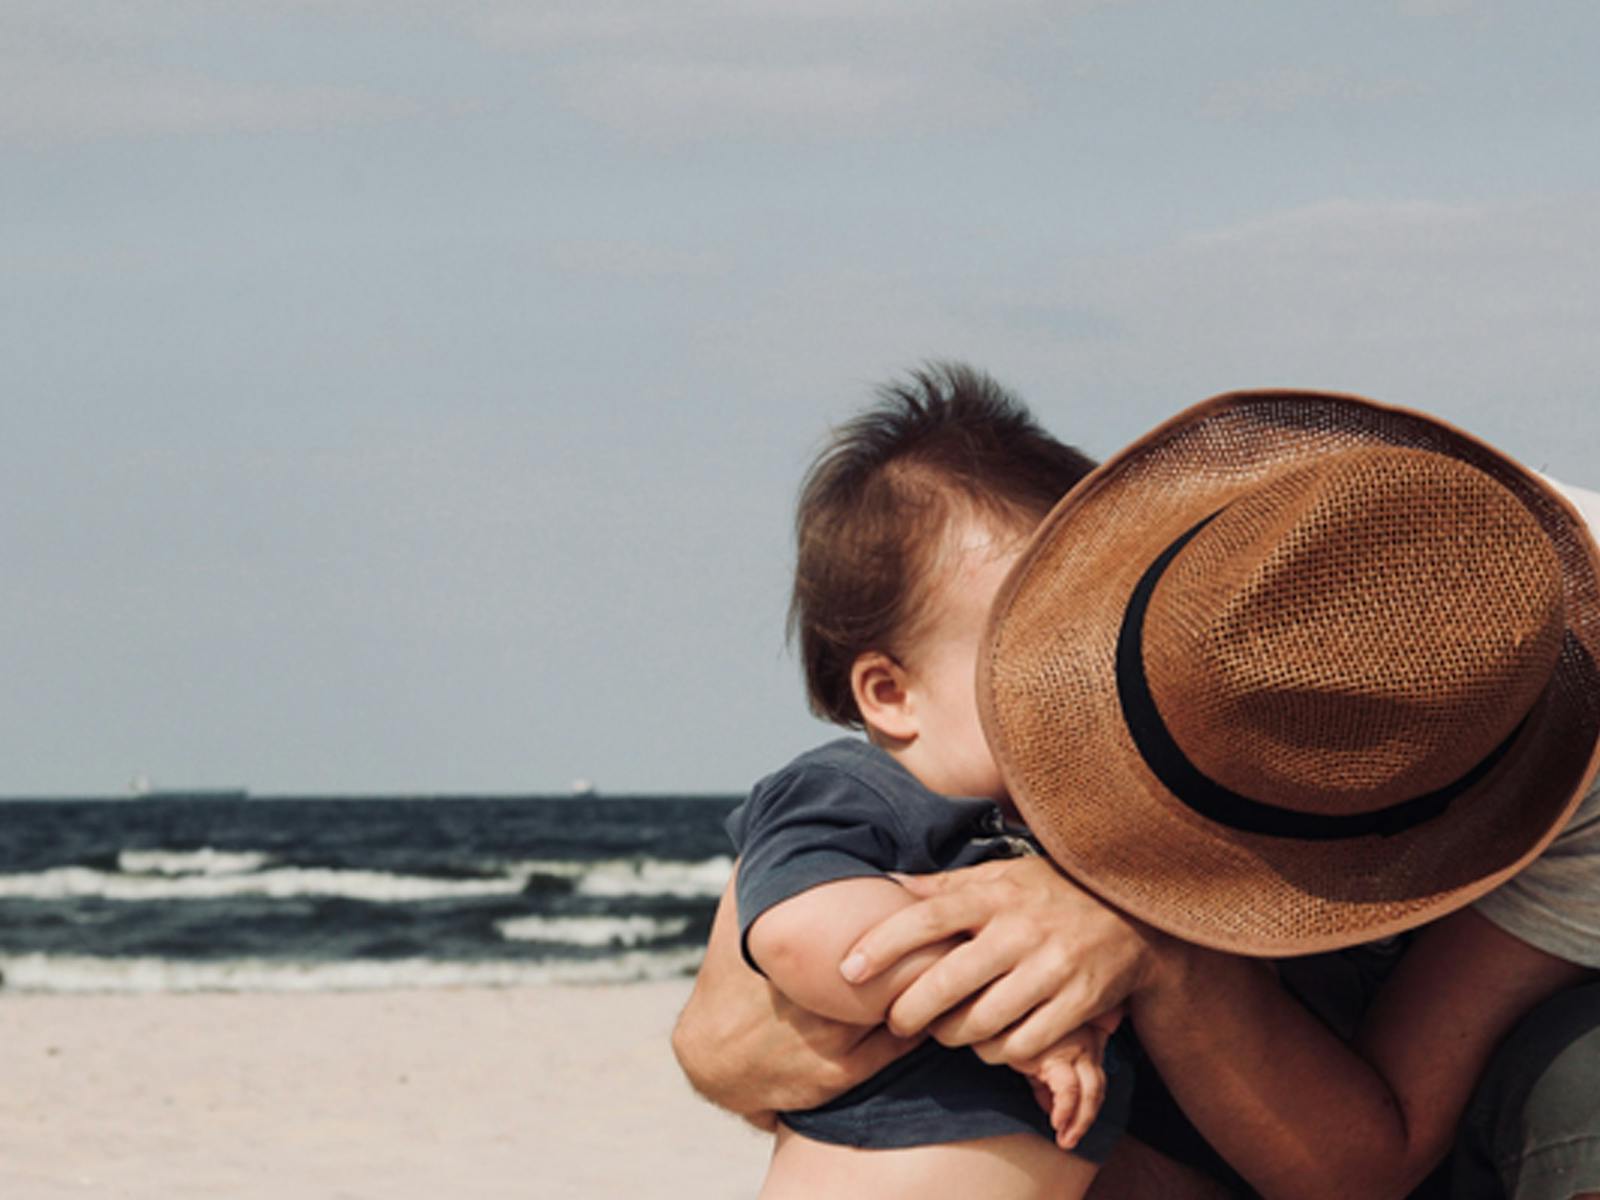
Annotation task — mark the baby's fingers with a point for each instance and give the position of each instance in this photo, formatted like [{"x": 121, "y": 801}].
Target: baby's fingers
[
  {"x": 1091, "y": 1092},
  {"x": 1041, "y": 1094},
  {"x": 1066, "y": 1100}
]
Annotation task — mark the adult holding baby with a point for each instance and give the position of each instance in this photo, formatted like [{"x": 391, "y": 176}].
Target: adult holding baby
[{"x": 1293, "y": 673}]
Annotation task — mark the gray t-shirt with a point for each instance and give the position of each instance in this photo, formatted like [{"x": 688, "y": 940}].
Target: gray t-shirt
[
  {"x": 848, "y": 810},
  {"x": 1554, "y": 902}
]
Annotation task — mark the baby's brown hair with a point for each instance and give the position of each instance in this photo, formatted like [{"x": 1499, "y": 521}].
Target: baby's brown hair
[{"x": 878, "y": 499}]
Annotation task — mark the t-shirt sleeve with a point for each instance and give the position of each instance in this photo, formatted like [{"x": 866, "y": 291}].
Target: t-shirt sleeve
[
  {"x": 805, "y": 827},
  {"x": 1553, "y": 903}
]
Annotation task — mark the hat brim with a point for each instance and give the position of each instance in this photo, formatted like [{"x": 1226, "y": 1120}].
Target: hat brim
[{"x": 1048, "y": 700}]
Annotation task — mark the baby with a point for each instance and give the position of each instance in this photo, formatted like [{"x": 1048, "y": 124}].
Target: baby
[{"x": 907, "y": 524}]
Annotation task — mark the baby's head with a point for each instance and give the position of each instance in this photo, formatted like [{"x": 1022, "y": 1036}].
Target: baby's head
[{"x": 908, "y": 521}]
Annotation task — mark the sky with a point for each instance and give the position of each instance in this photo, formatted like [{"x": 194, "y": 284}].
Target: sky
[{"x": 411, "y": 396}]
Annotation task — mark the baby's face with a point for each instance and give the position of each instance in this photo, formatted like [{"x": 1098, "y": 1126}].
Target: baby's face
[{"x": 954, "y": 758}]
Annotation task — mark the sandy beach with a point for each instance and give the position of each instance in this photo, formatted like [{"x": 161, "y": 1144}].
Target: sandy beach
[{"x": 531, "y": 1092}]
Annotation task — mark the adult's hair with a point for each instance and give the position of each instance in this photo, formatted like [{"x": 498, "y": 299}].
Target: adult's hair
[{"x": 879, "y": 499}]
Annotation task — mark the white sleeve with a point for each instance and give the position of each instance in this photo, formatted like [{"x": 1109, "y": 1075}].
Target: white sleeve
[{"x": 1554, "y": 902}]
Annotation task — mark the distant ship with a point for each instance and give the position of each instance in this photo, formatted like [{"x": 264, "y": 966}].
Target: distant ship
[
  {"x": 140, "y": 788},
  {"x": 583, "y": 787}
]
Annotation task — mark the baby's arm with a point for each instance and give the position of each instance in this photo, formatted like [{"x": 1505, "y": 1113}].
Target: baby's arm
[
  {"x": 800, "y": 942},
  {"x": 1069, "y": 1079}
]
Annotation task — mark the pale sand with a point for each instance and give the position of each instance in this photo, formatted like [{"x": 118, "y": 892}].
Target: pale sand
[{"x": 533, "y": 1092}]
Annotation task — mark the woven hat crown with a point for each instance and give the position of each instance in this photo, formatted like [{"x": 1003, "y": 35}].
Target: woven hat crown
[
  {"x": 1363, "y": 629},
  {"x": 1296, "y": 670}
]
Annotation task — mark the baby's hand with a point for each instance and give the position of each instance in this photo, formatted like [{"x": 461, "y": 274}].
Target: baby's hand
[{"x": 1069, "y": 1081}]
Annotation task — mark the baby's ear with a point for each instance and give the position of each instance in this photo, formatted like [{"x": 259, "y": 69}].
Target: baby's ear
[{"x": 878, "y": 683}]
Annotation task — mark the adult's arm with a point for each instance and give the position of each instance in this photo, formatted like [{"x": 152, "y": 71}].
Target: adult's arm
[
  {"x": 1295, "y": 1110},
  {"x": 748, "y": 1049},
  {"x": 1260, "y": 1078}
]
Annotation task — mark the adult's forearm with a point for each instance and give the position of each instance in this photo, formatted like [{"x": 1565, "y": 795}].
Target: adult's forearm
[
  {"x": 1290, "y": 1106},
  {"x": 724, "y": 1006},
  {"x": 1297, "y": 1111},
  {"x": 696, "y": 1051}
]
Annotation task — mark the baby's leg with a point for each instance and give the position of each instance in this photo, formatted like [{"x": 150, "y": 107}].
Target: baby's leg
[{"x": 1020, "y": 1166}]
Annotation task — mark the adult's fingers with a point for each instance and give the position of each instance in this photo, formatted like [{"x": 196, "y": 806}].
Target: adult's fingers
[
  {"x": 1033, "y": 978},
  {"x": 912, "y": 928},
  {"x": 951, "y": 981},
  {"x": 953, "y": 902},
  {"x": 1037, "y": 1031},
  {"x": 936, "y": 884}
]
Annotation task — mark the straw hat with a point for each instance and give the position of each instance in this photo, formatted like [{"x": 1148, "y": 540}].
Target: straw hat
[{"x": 1298, "y": 670}]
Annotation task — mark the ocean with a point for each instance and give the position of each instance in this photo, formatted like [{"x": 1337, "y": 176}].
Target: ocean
[{"x": 177, "y": 894}]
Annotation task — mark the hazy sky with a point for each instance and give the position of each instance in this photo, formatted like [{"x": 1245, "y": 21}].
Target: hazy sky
[{"x": 411, "y": 396}]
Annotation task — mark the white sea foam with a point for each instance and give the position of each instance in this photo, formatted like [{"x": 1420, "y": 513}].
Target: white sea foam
[
  {"x": 213, "y": 874},
  {"x": 62, "y": 883},
  {"x": 69, "y": 973},
  {"x": 591, "y": 931},
  {"x": 652, "y": 877},
  {"x": 205, "y": 861}
]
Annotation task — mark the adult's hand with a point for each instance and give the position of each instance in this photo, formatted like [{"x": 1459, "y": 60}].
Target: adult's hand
[
  {"x": 748, "y": 1049},
  {"x": 1043, "y": 958}
]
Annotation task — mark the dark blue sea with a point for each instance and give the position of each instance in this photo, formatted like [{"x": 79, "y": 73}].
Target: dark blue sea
[{"x": 228, "y": 894}]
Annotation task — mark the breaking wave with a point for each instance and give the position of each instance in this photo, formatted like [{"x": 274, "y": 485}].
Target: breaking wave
[
  {"x": 147, "y": 875},
  {"x": 592, "y": 931}
]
